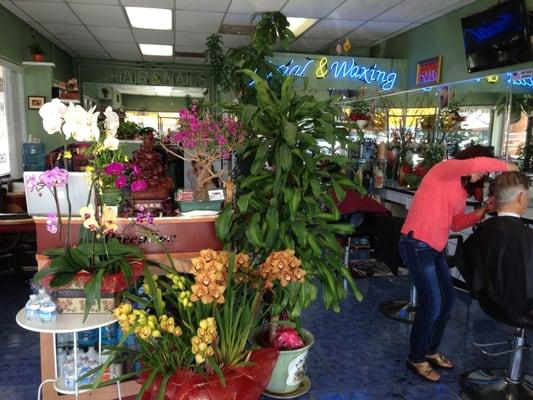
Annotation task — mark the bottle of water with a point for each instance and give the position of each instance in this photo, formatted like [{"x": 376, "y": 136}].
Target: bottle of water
[
  {"x": 61, "y": 358},
  {"x": 47, "y": 311},
  {"x": 69, "y": 373},
  {"x": 41, "y": 296},
  {"x": 32, "y": 309}
]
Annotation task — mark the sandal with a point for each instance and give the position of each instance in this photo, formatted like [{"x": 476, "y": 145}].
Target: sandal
[
  {"x": 425, "y": 370},
  {"x": 440, "y": 360}
]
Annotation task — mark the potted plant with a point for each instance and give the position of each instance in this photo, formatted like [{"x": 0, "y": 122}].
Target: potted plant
[
  {"x": 69, "y": 89},
  {"x": 193, "y": 329},
  {"x": 37, "y": 53},
  {"x": 360, "y": 113},
  {"x": 280, "y": 206},
  {"x": 99, "y": 263},
  {"x": 128, "y": 130}
]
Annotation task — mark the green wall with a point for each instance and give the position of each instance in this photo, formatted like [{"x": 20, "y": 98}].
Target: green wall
[
  {"x": 16, "y": 36},
  {"x": 152, "y": 103},
  {"x": 440, "y": 37}
]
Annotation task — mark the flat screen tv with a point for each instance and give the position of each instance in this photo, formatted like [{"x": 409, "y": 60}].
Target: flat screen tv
[{"x": 497, "y": 36}]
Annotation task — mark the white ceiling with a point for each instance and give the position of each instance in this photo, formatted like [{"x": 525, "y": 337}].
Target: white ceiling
[{"x": 101, "y": 29}]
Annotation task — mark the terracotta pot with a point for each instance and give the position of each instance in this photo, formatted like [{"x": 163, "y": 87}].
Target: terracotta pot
[{"x": 37, "y": 57}]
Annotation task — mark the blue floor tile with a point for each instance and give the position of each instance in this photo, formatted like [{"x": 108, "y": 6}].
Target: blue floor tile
[{"x": 358, "y": 354}]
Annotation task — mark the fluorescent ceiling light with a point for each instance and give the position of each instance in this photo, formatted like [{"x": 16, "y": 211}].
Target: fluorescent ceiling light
[
  {"x": 150, "y": 18},
  {"x": 156, "y": 49},
  {"x": 300, "y": 25}
]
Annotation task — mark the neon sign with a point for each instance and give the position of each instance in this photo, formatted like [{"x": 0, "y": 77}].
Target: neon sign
[
  {"x": 341, "y": 69},
  {"x": 489, "y": 30}
]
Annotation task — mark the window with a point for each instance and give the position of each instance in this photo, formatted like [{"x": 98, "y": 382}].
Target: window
[{"x": 4, "y": 140}]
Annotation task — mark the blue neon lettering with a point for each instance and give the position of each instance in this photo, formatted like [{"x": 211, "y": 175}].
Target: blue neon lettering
[
  {"x": 341, "y": 69},
  {"x": 491, "y": 29}
]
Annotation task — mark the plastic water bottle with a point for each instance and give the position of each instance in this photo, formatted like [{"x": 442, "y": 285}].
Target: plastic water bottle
[
  {"x": 69, "y": 377},
  {"x": 42, "y": 296},
  {"x": 32, "y": 309},
  {"x": 47, "y": 311},
  {"x": 61, "y": 358}
]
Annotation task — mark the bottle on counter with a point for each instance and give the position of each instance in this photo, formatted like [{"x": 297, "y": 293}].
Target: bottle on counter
[
  {"x": 378, "y": 178},
  {"x": 61, "y": 358},
  {"x": 47, "y": 311},
  {"x": 32, "y": 309},
  {"x": 42, "y": 295},
  {"x": 69, "y": 372}
]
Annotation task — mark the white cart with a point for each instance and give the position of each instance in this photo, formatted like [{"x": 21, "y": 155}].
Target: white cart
[{"x": 68, "y": 323}]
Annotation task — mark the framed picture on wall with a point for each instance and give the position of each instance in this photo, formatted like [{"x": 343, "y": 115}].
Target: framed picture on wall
[
  {"x": 428, "y": 71},
  {"x": 35, "y": 102}
]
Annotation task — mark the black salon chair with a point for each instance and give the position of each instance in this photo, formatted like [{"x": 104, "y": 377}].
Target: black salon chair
[{"x": 501, "y": 384}]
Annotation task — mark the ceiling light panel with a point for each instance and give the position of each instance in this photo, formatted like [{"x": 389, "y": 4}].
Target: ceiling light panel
[
  {"x": 156, "y": 49},
  {"x": 150, "y": 18},
  {"x": 300, "y": 25}
]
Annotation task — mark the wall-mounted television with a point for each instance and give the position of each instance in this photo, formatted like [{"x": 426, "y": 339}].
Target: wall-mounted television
[{"x": 497, "y": 36}]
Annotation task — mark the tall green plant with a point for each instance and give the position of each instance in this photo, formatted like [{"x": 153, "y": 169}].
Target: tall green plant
[{"x": 289, "y": 203}]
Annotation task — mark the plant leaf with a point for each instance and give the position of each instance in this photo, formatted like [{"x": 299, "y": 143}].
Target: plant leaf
[{"x": 61, "y": 279}]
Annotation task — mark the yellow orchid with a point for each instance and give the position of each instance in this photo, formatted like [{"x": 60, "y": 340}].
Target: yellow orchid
[
  {"x": 87, "y": 212},
  {"x": 108, "y": 220},
  {"x": 67, "y": 154},
  {"x": 91, "y": 224}
]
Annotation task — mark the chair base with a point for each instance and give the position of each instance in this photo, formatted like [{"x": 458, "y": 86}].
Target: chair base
[
  {"x": 399, "y": 310},
  {"x": 493, "y": 384}
]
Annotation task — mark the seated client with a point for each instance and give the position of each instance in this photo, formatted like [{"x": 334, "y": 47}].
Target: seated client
[{"x": 498, "y": 256}]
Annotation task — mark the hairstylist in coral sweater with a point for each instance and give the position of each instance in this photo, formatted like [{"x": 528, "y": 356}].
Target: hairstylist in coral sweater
[{"x": 437, "y": 207}]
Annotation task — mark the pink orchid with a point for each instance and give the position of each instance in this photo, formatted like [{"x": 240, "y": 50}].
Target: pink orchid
[
  {"x": 114, "y": 169},
  {"x": 287, "y": 338},
  {"x": 139, "y": 185}
]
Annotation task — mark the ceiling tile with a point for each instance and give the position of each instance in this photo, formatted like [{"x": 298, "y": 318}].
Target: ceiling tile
[
  {"x": 332, "y": 29},
  {"x": 105, "y": 33},
  {"x": 82, "y": 45},
  {"x": 363, "y": 9},
  {"x": 48, "y": 12},
  {"x": 46, "y": 1},
  {"x": 159, "y": 58},
  {"x": 118, "y": 47},
  {"x": 197, "y": 21},
  {"x": 190, "y": 38},
  {"x": 95, "y": 54},
  {"x": 16, "y": 11},
  {"x": 307, "y": 9},
  {"x": 151, "y": 3},
  {"x": 239, "y": 19},
  {"x": 446, "y": 10},
  {"x": 100, "y": 2},
  {"x": 150, "y": 36},
  {"x": 188, "y": 60},
  {"x": 252, "y": 6},
  {"x": 232, "y": 41},
  {"x": 190, "y": 49},
  {"x": 374, "y": 30},
  {"x": 203, "y": 5},
  {"x": 127, "y": 56},
  {"x": 309, "y": 44},
  {"x": 69, "y": 31},
  {"x": 414, "y": 10},
  {"x": 91, "y": 14}
]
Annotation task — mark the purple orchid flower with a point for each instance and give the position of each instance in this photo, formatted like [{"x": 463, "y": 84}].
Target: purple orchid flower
[
  {"x": 114, "y": 169},
  {"x": 139, "y": 185},
  {"x": 121, "y": 182},
  {"x": 52, "y": 223},
  {"x": 54, "y": 178}
]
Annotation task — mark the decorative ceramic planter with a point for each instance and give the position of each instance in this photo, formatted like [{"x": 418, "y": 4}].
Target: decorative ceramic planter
[
  {"x": 112, "y": 197},
  {"x": 288, "y": 376}
]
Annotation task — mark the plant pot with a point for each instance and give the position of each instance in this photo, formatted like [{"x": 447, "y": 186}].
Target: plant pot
[
  {"x": 361, "y": 123},
  {"x": 289, "y": 372},
  {"x": 69, "y": 95},
  {"x": 112, "y": 197},
  {"x": 37, "y": 57},
  {"x": 242, "y": 383},
  {"x": 71, "y": 298}
]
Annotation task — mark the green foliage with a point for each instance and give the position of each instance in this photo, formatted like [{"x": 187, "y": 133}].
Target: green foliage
[
  {"x": 104, "y": 256},
  {"x": 271, "y": 29},
  {"x": 128, "y": 130},
  {"x": 281, "y": 206},
  {"x": 220, "y": 70},
  {"x": 361, "y": 106}
]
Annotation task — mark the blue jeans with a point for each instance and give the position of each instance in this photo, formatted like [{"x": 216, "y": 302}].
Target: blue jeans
[{"x": 431, "y": 277}]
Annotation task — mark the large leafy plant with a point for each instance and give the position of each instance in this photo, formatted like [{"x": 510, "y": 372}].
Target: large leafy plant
[{"x": 287, "y": 200}]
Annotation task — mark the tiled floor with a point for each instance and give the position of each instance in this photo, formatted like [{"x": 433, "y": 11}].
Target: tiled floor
[{"x": 358, "y": 354}]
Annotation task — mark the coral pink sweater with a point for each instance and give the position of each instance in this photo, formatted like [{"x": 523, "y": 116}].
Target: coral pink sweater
[{"x": 440, "y": 201}]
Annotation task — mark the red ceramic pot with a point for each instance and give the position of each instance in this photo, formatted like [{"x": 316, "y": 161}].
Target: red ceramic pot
[{"x": 37, "y": 57}]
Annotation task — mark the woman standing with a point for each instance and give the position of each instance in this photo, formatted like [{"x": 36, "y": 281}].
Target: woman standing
[{"x": 437, "y": 207}]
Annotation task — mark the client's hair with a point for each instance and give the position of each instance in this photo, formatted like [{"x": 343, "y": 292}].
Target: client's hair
[
  {"x": 471, "y": 152},
  {"x": 508, "y": 185}
]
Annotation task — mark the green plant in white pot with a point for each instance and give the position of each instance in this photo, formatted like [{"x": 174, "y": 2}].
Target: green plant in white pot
[{"x": 286, "y": 202}]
